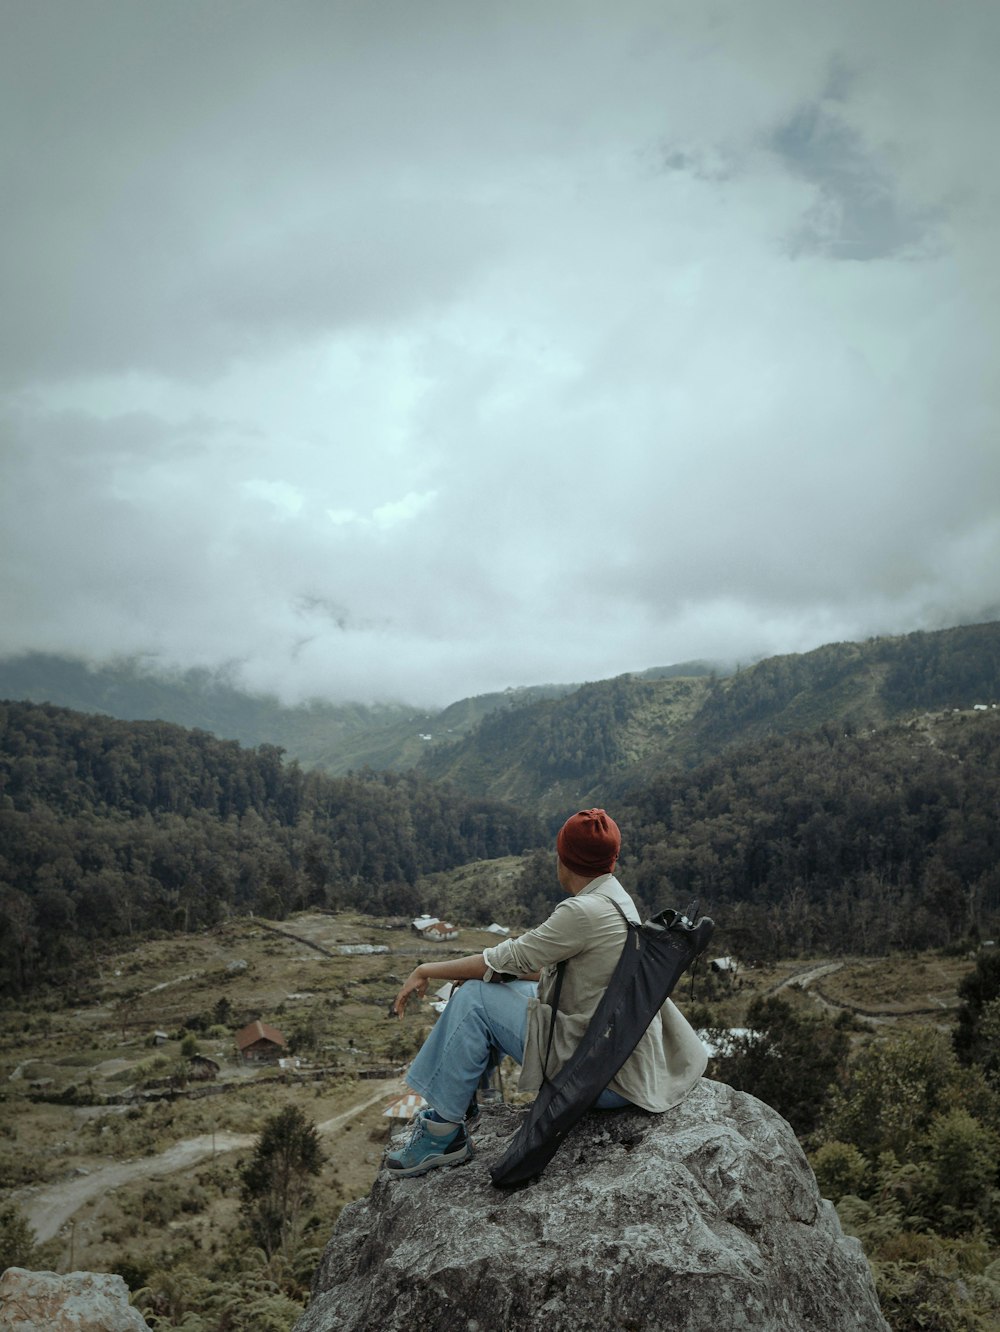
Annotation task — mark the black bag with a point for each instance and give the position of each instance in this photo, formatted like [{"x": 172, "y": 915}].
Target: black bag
[{"x": 654, "y": 957}]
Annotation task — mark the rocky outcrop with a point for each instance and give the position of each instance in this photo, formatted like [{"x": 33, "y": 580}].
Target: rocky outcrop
[
  {"x": 76, "y": 1302},
  {"x": 703, "y": 1218}
]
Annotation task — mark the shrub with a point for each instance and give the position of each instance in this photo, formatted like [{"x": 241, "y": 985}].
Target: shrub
[
  {"x": 840, "y": 1168},
  {"x": 17, "y": 1239},
  {"x": 894, "y": 1088},
  {"x": 934, "y": 1296},
  {"x": 961, "y": 1161},
  {"x": 788, "y": 1060}
]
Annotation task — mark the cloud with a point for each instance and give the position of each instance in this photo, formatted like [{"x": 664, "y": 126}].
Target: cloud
[
  {"x": 857, "y": 214},
  {"x": 415, "y": 351}
]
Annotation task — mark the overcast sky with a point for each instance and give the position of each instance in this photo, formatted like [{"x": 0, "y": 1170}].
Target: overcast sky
[{"x": 417, "y": 349}]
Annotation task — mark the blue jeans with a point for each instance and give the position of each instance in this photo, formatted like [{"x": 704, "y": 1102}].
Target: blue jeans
[{"x": 478, "y": 1018}]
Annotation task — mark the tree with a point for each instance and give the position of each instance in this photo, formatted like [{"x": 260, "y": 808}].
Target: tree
[
  {"x": 17, "y": 1239},
  {"x": 961, "y": 1158},
  {"x": 787, "y": 1060},
  {"x": 840, "y": 1169},
  {"x": 977, "y": 991},
  {"x": 275, "y": 1181},
  {"x": 894, "y": 1089}
]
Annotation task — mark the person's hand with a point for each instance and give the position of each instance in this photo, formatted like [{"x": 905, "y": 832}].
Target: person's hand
[{"x": 415, "y": 984}]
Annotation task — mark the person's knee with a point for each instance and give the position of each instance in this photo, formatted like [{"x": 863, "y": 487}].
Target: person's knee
[{"x": 469, "y": 995}]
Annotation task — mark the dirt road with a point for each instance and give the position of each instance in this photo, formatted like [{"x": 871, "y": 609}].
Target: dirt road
[
  {"x": 805, "y": 978},
  {"x": 49, "y": 1209}
]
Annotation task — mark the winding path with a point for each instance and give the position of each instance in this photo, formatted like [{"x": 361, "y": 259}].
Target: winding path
[
  {"x": 50, "y": 1208},
  {"x": 805, "y": 978}
]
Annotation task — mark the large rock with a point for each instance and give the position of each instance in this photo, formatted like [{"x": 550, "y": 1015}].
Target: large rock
[
  {"x": 707, "y": 1217},
  {"x": 76, "y": 1302}
]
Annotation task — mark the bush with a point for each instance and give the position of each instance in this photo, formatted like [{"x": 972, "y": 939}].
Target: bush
[
  {"x": 933, "y": 1295},
  {"x": 157, "y": 1204},
  {"x": 977, "y": 991},
  {"x": 788, "y": 1060},
  {"x": 961, "y": 1161},
  {"x": 17, "y": 1239},
  {"x": 894, "y": 1088},
  {"x": 840, "y": 1168}
]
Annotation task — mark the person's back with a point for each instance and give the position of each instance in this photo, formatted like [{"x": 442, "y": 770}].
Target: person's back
[
  {"x": 585, "y": 933},
  {"x": 669, "y": 1057}
]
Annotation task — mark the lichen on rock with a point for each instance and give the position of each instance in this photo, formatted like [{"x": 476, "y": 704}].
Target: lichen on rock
[
  {"x": 73, "y": 1302},
  {"x": 705, "y": 1217}
]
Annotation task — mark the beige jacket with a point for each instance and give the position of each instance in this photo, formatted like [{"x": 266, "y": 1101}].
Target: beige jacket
[{"x": 589, "y": 932}]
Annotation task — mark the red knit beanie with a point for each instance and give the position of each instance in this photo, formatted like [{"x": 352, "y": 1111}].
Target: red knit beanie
[{"x": 589, "y": 842}]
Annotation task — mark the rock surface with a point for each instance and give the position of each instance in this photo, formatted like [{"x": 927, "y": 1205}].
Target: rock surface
[
  {"x": 76, "y": 1302},
  {"x": 706, "y": 1217}
]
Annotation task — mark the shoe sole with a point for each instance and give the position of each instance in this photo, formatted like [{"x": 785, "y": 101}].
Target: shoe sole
[{"x": 431, "y": 1163}]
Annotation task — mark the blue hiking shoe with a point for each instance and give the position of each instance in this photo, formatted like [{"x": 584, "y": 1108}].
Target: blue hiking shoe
[{"x": 431, "y": 1144}]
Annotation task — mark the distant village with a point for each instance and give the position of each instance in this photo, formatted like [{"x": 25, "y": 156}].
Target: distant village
[
  {"x": 439, "y": 931},
  {"x": 262, "y": 1043}
]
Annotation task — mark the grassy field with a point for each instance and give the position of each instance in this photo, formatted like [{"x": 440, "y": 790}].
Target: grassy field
[
  {"x": 60, "y": 1065},
  {"x": 100, "y": 1043}
]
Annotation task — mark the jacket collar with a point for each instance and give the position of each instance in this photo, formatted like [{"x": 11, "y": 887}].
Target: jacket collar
[{"x": 596, "y": 884}]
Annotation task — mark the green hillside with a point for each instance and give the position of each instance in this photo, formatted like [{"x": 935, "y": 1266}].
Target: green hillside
[
  {"x": 551, "y": 747},
  {"x": 860, "y": 684},
  {"x": 114, "y": 828},
  {"x": 615, "y": 735},
  {"x": 339, "y": 738},
  {"x": 557, "y": 754}
]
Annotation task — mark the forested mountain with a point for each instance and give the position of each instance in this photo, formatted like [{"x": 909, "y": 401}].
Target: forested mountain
[
  {"x": 845, "y": 798},
  {"x": 612, "y": 736},
  {"x": 549, "y": 746},
  {"x": 108, "y": 827},
  {"x": 565, "y": 752},
  {"x": 786, "y": 798},
  {"x": 859, "y": 842},
  {"x": 857, "y": 683},
  {"x": 339, "y": 738}
]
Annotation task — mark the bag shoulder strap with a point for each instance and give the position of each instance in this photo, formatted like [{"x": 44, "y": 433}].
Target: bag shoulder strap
[
  {"x": 621, "y": 913},
  {"x": 560, "y": 972}
]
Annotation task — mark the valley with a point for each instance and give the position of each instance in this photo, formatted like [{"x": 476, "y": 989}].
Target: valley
[
  {"x": 97, "y": 1109},
  {"x": 170, "y": 898}
]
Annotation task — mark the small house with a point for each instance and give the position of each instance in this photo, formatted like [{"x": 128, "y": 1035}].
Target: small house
[
  {"x": 202, "y": 1069},
  {"x": 422, "y": 922},
  {"x": 727, "y": 966},
  {"x": 440, "y": 931},
  {"x": 259, "y": 1043}
]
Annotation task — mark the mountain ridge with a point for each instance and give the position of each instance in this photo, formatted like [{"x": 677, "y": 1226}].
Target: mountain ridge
[
  {"x": 552, "y": 746},
  {"x": 336, "y": 737},
  {"x": 609, "y": 737}
]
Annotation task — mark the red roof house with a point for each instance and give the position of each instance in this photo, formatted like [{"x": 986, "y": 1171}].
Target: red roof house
[
  {"x": 439, "y": 931},
  {"x": 260, "y": 1043}
]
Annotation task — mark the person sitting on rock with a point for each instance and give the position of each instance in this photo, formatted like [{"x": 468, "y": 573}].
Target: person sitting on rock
[{"x": 587, "y": 932}]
